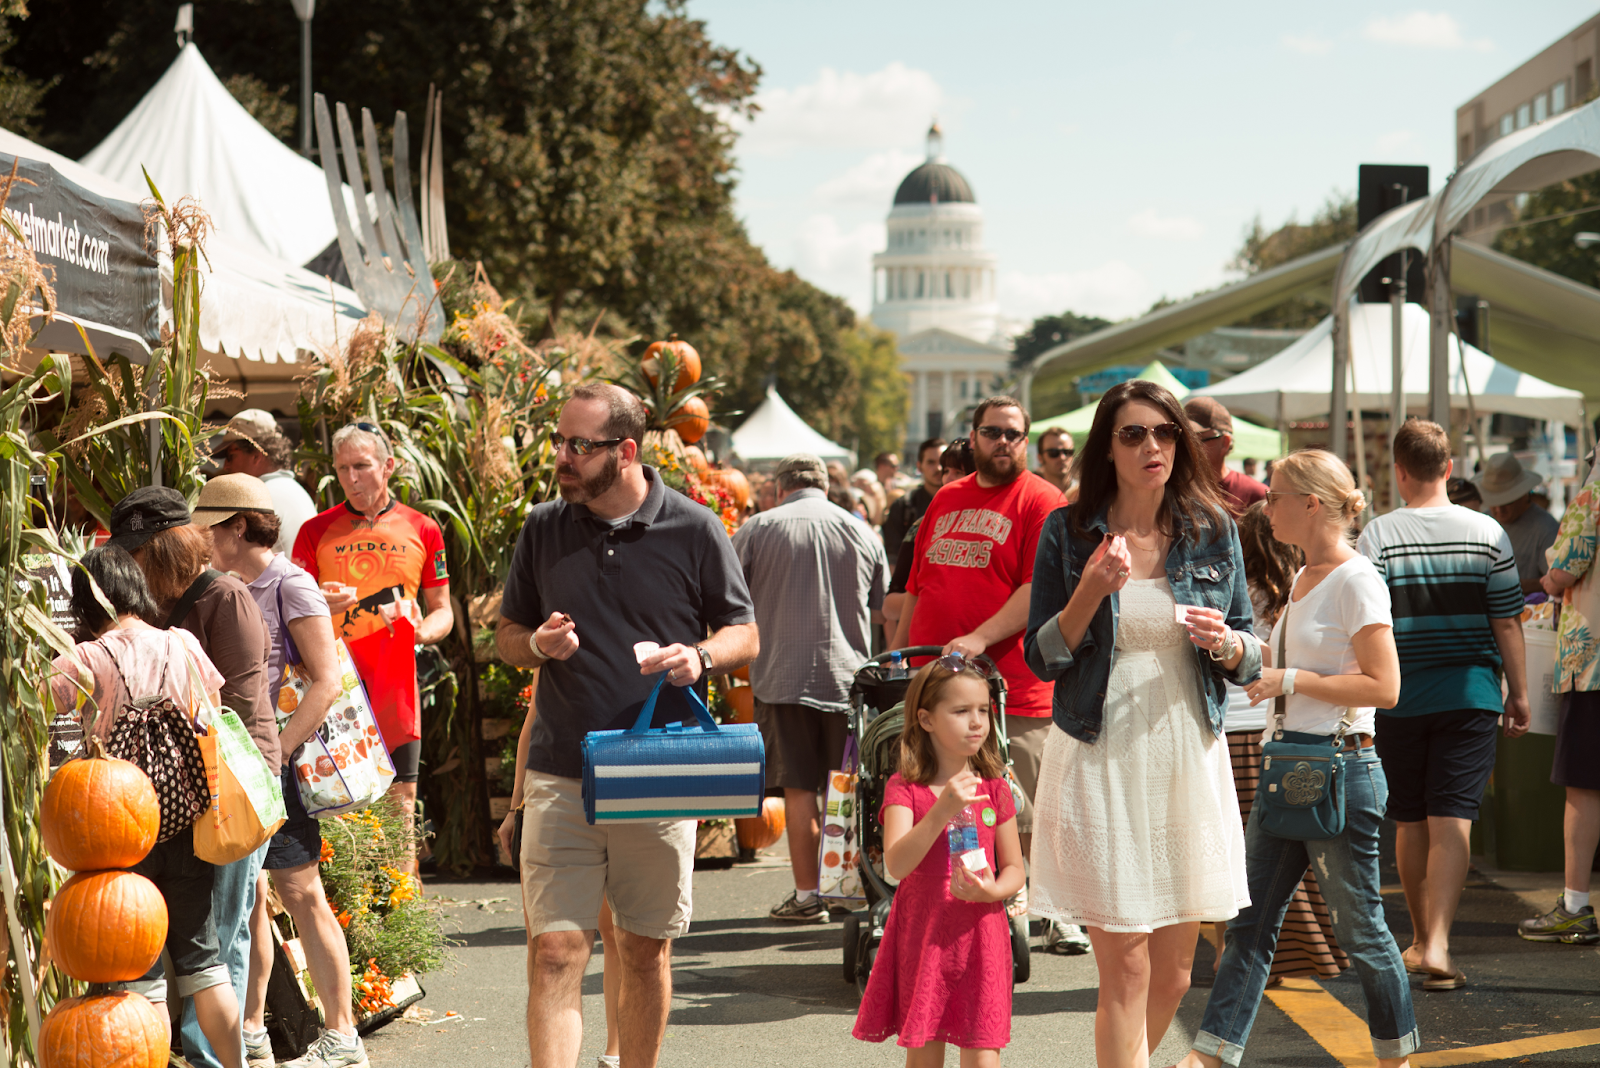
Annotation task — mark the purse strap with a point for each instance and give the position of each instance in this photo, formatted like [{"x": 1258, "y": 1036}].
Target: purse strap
[
  {"x": 291, "y": 655},
  {"x": 197, "y": 588},
  {"x": 701, "y": 712},
  {"x": 1280, "y": 703}
]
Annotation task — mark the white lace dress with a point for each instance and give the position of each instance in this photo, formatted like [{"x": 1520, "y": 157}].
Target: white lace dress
[{"x": 1141, "y": 829}]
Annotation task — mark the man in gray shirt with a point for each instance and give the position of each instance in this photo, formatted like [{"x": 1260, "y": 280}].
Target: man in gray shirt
[
  {"x": 817, "y": 575},
  {"x": 1507, "y": 490}
]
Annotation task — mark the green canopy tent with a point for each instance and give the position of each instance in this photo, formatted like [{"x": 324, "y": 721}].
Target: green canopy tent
[{"x": 1256, "y": 442}]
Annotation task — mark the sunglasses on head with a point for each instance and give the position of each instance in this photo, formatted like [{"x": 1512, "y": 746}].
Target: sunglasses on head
[
  {"x": 369, "y": 428},
  {"x": 956, "y": 662},
  {"x": 582, "y": 446},
  {"x": 1135, "y": 433},
  {"x": 1056, "y": 452}
]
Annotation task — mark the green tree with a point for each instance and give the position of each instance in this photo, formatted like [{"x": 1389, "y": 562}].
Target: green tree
[
  {"x": 1048, "y": 331},
  {"x": 882, "y": 401},
  {"x": 1262, "y": 250},
  {"x": 1551, "y": 244},
  {"x": 21, "y": 97}
]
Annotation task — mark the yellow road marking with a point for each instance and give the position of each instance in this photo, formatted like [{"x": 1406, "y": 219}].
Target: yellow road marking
[{"x": 1344, "y": 1034}]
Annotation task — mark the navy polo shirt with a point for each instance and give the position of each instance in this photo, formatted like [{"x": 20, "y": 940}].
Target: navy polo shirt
[{"x": 669, "y": 574}]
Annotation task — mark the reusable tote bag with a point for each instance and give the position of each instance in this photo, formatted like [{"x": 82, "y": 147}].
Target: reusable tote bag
[
  {"x": 683, "y": 772},
  {"x": 246, "y": 807},
  {"x": 840, "y": 878},
  {"x": 345, "y": 765}
]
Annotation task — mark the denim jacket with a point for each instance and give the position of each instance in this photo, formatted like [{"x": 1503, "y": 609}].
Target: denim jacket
[{"x": 1209, "y": 574}]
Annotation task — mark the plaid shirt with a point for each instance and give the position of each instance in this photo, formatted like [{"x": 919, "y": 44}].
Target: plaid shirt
[{"x": 815, "y": 573}]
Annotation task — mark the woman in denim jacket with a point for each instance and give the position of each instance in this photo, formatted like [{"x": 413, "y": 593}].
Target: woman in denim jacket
[{"x": 1139, "y": 613}]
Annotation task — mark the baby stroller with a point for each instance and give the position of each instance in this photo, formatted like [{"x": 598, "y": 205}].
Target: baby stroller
[{"x": 875, "y": 723}]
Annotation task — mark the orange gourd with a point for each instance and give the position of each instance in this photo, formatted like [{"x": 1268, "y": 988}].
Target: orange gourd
[
  {"x": 688, "y": 362},
  {"x": 691, "y": 420},
  {"x": 121, "y": 1030},
  {"x": 742, "y": 672},
  {"x": 735, "y": 485},
  {"x": 106, "y": 926},
  {"x": 758, "y": 832},
  {"x": 99, "y": 813},
  {"x": 743, "y": 700}
]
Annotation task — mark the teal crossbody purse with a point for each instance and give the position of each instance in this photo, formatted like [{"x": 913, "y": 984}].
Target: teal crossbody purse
[{"x": 1301, "y": 790}]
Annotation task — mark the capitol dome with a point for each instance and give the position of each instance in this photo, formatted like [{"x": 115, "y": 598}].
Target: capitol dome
[{"x": 934, "y": 182}]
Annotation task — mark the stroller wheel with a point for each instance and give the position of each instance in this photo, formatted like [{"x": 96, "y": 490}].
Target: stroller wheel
[
  {"x": 1021, "y": 960},
  {"x": 852, "y": 938},
  {"x": 864, "y": 969}
]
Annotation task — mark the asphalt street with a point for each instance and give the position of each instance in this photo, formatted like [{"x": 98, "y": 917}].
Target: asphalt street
[{"x": 751, "y": 992}]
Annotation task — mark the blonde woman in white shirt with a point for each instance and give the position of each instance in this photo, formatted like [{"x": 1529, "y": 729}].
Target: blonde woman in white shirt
[{"x": 1339, "y": 653}]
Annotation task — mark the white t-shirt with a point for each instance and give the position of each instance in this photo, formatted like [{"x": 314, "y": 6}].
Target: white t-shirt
[
  {"x": 1321, "y": 626},
  {"x": 293, "y": 505}
]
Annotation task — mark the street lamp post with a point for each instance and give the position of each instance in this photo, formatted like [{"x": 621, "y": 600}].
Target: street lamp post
[{"x": 303, "y": 10}]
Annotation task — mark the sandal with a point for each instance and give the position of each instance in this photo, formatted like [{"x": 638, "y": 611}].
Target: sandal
[
  {"x": 1437, "y": 981},
  {"x": 1411, "y": 968}
]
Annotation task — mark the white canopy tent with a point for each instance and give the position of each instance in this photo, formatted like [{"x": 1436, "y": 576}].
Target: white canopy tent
[
  {"x": 773, "y": 431},
  {"x": 195, "y": 138},
  {"x": 1293, "y": 384},
  {"x": 256, "y": 311}
]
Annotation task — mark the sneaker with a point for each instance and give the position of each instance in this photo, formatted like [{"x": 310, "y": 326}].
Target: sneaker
[
  {"x": 608, "y": 1061},
  {"x": 258, "y": 1049},
  {"x": 333, "y": 1050},
  {"x": 1067, "y": 939},
  {"x": 1559, "y": 925},
  {"x": 791, "y": 910}
]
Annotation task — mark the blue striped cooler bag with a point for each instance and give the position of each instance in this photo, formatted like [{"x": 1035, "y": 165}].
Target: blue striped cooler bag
[{"x": 687, "y": 771}]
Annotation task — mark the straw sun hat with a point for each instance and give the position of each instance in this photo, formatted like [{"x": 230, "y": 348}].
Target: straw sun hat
[
  {"x": 225, "y": 496},
  {"x": 1504, "y": 479}
]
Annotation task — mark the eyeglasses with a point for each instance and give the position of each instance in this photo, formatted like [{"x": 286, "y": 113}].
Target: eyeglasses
[
  {"x": 1056, "y": 453},
  {"x": 1273, "y": 496},
  {"x": 957, "y": 662},
  {"x": 1134, "y": 433},
  {"x": 582, "y": 446},
  {"x": 995, "y": 433}
]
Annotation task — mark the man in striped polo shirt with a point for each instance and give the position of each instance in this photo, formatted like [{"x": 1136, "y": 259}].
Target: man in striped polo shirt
[{"x": 1456, "y": 600}]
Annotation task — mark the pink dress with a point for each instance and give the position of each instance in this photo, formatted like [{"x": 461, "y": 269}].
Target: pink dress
[{"x": 943, "y": 969}]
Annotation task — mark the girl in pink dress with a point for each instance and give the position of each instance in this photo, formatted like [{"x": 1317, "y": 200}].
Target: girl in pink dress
[{"x": 943, "y": 971}]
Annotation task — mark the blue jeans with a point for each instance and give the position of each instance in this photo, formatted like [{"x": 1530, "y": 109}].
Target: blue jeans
[
  {"x": 233, "y": 897},
  {"x": 1347, "y": 872}
]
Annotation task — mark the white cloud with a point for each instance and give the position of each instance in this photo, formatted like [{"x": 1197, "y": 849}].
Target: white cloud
[
  {"x": 1422, "y": 29},
  {"x": 1167, "y": 228},
  {"x": 1307, "y": 43},
  {"x": 871, "y": 182},
  {"x": 838, "y": 259},
  {"x": 1113, "y": 290},
  {"x": 1395, "y": 140},
  {"x": 891, "y": 106}
]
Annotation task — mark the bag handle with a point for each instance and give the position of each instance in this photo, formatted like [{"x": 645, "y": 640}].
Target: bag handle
[
  {"x": 199, "y": 700},
  {"x": 197, "y": 588},
  {"x": 701, "y": 712},
  {"x": 1280, "y": 702},
  {"x": 291, "y": 655}
]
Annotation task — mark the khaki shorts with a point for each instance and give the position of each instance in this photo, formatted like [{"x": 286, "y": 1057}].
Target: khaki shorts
[
  {"x": 643, "y": 869},
  {"x": 1026, "y": 735}
]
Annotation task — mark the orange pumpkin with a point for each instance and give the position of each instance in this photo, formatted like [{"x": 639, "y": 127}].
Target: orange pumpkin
[
  {"x": 743, "y": 700},
  {"x": 742, "y": 672},
  {"x": 688, "y": 362},
  {"x": 691, "y": 420},
  {"x": 735, "y": 485},
  {"x": 106, "y": 926},
  {"x": 99, "y": 813},
  {"x": 758, "y": 832},
  {"x": 697, "y": 460},
  {"x": 120, "y": 1030}
]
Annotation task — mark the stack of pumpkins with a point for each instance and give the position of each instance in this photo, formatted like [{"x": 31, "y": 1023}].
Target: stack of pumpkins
[
  {"x": 691, "y": 418},
  {"x": 105, "y": 924}
]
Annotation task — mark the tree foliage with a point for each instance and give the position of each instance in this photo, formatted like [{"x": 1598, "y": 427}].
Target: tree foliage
[
  {"x": 1048, "y": 331},
  {"x": 1262, "y": 250},
  {"x": 1551, "y": 244}
]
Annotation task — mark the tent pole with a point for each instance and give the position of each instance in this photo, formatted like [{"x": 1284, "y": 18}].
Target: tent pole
[
  {"x": 1360, "y": 444},
  {"x": 1440, "y": 320},
  {"x": 1339, "y": 401},
  {"x": 1397, "y": 389}
]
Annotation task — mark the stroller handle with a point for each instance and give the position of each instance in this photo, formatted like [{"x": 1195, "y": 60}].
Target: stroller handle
[{"x": 934, "y": 650}]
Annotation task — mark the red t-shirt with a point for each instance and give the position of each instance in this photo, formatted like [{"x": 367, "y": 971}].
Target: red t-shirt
[
  {"x": 395, "y": 556},
  {"x": 974, "y": 549},
  {"x": 1241, "y": 491}
]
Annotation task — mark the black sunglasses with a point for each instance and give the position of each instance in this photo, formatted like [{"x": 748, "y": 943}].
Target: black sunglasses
[
  {"x": 582, "y": 446},
  {"x": 995, "y": 433},
  {"x": 1211, "y": 435},
  {"x": 1134, "y": 433},
  {"x": 1056, "y": 452}
]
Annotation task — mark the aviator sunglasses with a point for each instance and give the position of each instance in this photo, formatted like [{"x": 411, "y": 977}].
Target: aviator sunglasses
[
  {"x": 1135, "y": 433},
  {"x": 1010, "y": 433},
  {"x": 582, "y": 446},
  {"x": 956, "y": 662}
]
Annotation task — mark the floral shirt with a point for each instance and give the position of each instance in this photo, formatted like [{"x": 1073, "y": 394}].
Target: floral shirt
[{"x": 1578, "y": 650}]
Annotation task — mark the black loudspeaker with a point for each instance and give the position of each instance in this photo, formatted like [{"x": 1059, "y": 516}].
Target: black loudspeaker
[{"x": 1381, "y": 187}]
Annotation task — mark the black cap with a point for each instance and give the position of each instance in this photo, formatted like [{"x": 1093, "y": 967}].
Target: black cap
[{"x": 144, "y": 513}]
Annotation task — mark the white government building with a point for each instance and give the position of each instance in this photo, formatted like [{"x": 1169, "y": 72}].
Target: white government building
[{"x": 934, "y": 286}]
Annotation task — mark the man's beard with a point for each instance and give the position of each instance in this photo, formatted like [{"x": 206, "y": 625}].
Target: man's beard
[
  {"x": 999, "y": 467},
  {"x": 587, "y": 489}
]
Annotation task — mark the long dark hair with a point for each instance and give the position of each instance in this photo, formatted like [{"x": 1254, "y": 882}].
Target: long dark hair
[
  {"x": 1191, "y": 503},
  {"x": 1269, "y": 564},
  {"x": 112, "y": 569}
]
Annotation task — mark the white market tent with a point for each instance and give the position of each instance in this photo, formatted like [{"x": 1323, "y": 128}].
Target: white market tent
[
  {"x": 196, "y": 139},
  {"x": 256, "y": 312},
  {"x": 1293, "y": 385},
  {"x": 1257, "y": 442},
  {"x": 773, "y": 431}
]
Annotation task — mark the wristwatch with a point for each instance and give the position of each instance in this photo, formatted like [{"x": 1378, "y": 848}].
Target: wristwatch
[{"x": 705, "y": 659}]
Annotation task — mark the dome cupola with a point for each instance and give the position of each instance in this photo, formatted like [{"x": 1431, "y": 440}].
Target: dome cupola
[{"x": 935, "y": 181}]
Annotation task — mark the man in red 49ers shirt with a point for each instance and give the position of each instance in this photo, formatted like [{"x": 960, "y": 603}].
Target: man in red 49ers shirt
[{"x": 970, "y": 582}]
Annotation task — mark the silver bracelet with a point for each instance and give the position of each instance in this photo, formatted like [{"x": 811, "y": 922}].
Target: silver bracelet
[
  {"x": 1229, "y": 644},
  {"x": 533, "y": 643}
]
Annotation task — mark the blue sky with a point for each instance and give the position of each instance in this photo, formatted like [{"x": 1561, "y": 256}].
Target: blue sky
[{"x": 1118, "y": 150}]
